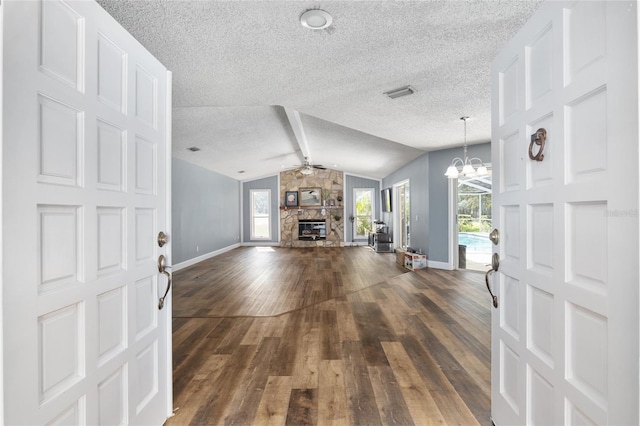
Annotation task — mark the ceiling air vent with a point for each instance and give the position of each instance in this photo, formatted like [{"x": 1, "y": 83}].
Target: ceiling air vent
[
  {"x": 402, "y": 91},
  {"x": 194, "y": 149}
]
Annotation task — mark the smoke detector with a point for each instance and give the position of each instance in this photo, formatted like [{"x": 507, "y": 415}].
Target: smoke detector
[{"x": 316, "y": 19}]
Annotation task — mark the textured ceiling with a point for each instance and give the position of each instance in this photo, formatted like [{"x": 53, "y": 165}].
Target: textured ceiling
[{"x": 237, "y": 65}]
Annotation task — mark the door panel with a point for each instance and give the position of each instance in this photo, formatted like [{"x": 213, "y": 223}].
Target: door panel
[
  {"x": 60, "y": 142},
  {"x": 586, "y": 38},
  {"x": 112, "y": 401},
  {"x": 541, "y": 241},
  {"x": 586, "y": 256},
  {"x": 540, "y": 393},
  {"x": 541, "y": 321},
  {"x": 509, "y": 155},
  {"x": 508, "y": 91},
  {"x": 111, "y": 157},
  {"x": 511, "y": 297},
  {"x": 539, "y": 62},
  {"x": 112, "y": 338},
  {"x": 59, "y": 352},
  {"x": 510, "y": 377},
  {"x": 511, "y": 238},
  {"x": 112, "y": 74},
  {"x": 145, "y": 166},
  {"x": 586, "y": 137},
  {"x": 62, "y": 34},
  {"x": 111, "y": 237},
  {"x": 86, "y": 143},
  {"x": 145, "y": 93},
  {"x": 540, "y": 173},
  {"x": 565, "y": 336}
]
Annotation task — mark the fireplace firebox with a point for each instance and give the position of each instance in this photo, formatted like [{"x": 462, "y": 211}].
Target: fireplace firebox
[{"x": 312, "y": 230}]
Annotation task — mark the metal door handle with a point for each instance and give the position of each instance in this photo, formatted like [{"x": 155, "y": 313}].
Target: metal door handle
[
  {"x": 494, "y": 236},
  {"x": 162, "y": 239},
  {"x": 162, "y": 268},
  {"x": 495, "y": 264},
  {"x": 486, "y": 280}
]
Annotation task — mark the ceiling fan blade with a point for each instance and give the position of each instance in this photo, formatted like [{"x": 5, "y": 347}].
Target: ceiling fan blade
[{"x": 319, "y": 166}]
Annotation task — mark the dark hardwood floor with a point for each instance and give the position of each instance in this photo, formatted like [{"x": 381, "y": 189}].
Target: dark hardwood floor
[{"x": 311, "y": 336}]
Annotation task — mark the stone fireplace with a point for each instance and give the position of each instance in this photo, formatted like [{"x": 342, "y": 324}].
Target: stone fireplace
[
  {"x": 312, "y": 229},
  {"x": 313, "y": 226}
]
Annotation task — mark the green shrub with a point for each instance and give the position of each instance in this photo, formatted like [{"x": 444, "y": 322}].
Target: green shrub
[{"x": 466, "y": 223}]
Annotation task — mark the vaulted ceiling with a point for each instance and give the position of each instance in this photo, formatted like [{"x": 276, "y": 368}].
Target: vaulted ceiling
[{"x": 256, "y": 91}]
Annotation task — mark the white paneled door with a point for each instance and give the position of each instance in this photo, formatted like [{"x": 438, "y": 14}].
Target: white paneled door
[
  {"x": 86, "y": 146},
  {"x": 565, "y": 334}
]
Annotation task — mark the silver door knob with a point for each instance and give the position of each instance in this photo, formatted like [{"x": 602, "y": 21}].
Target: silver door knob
[
  {"x": 162, "y": 239},
  {"x": 494, "y": 236}
]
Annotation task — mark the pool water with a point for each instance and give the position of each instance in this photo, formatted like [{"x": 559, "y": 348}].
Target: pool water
[{"x": 475, "y": 242}]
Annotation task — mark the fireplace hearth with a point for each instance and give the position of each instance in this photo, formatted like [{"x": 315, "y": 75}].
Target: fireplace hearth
[{"x": 312, "y": 230}]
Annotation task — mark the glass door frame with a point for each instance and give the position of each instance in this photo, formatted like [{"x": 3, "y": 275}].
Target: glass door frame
[{"x": 397, "y": 215}]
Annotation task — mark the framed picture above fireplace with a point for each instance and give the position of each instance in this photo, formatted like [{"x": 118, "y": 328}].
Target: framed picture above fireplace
[
  {"x": 291, "y": 198},
  {"x": 310, "y": 197}
]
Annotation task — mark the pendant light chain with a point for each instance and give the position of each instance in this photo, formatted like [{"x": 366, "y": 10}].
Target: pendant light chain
[
  {"x": 464, "y": 118},
  {"x": 466, "y": 163}
]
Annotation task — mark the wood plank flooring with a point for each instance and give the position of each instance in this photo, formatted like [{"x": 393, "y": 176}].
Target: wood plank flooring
[{"x": 315, "y": 336}]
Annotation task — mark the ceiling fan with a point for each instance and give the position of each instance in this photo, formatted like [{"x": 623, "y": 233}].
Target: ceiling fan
[{"x": 307, "y": 167}]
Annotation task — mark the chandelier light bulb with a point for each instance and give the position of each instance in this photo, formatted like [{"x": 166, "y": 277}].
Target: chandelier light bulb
[
  {"x": 468, "y": 170},
  {"x": 452, "y": 172}
]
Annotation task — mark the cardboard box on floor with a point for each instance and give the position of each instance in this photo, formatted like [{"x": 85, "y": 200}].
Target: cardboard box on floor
[{"x": 415, "y": 261}]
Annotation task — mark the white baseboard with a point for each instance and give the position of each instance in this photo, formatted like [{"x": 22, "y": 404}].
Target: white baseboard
[
  {"x": 261, "y": 244},
  {"x": 199, "y": 259},
  {"x": 440, "y": 265}
]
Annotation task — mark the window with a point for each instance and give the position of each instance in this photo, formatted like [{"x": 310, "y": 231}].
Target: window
[
  {"x": 260, "y": 214},
  {"x": 364, "y": 208},
  {"x": 474, "y": 205}
]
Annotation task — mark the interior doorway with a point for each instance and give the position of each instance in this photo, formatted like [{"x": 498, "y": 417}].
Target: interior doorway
[{"x": 474, "y": 223}]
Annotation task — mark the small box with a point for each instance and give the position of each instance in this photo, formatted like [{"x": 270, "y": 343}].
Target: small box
[
  {"x": 400, "y": 257},
  {"x": 415, "y": 261}
]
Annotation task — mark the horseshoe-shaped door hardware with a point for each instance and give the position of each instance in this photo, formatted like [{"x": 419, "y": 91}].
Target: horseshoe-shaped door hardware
[
  {"x": 538, "y": 138},
  {"x": 495, "y": 264},
  {"x": 162, "y": 268}
]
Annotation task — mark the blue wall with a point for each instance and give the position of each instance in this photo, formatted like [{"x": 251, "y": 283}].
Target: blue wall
[
  {"x": 429, "y": 196},
  {"x": 206, "y": 205},
  {"x": 205, "y": 209},
  {"x": 417, "y": 172},
  {"x": 265, "y": 183},
  {"x": 351, "y": 182},
  {"x": 439, "y": 196}
]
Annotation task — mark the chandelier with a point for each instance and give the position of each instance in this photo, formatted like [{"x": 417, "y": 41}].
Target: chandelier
[{"x": 467, "y": 169}]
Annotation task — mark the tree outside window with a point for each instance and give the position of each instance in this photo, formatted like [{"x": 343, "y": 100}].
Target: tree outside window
[{"x": 474, "y": 205}]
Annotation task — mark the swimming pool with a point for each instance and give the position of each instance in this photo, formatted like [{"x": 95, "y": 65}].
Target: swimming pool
[{"x": 475, "y": 242}]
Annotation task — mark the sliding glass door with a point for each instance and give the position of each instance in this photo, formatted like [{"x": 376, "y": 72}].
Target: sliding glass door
[{"x": 402, "y": 219}]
